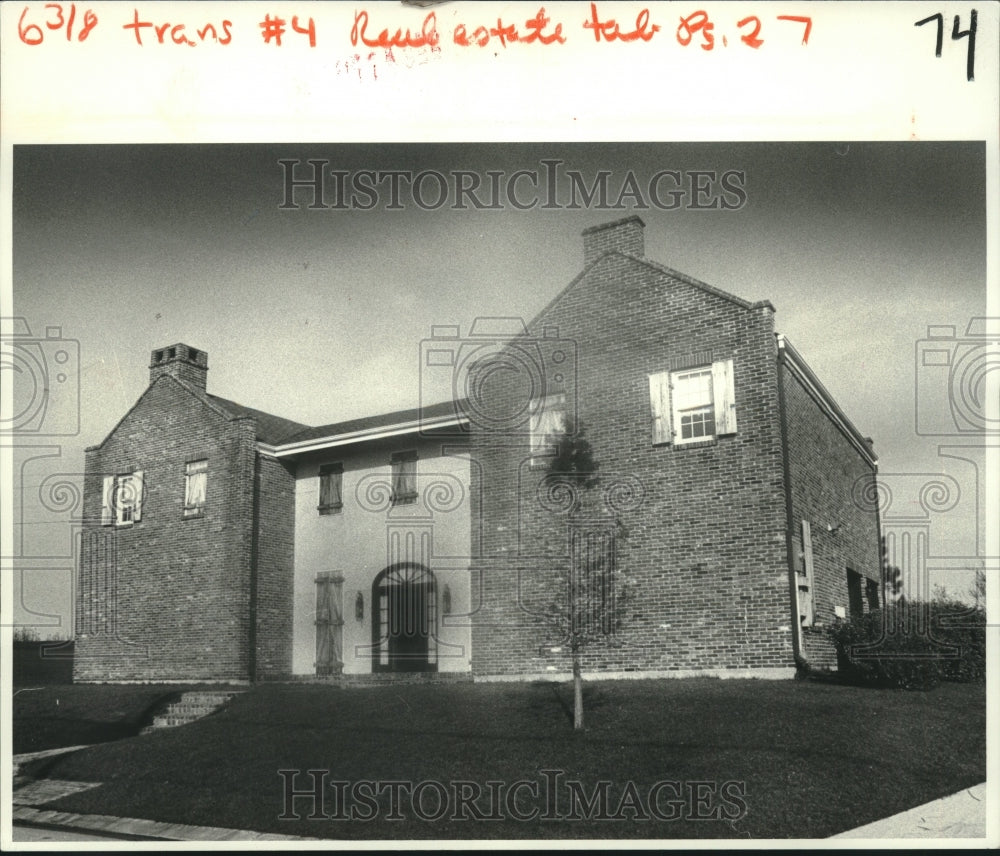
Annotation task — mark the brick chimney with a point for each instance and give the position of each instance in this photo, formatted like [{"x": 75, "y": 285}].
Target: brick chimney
[
  {"x": 183, "y": 362},
  {"x": 625, "y": 236}
]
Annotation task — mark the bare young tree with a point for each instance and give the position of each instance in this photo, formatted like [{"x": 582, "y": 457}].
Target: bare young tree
[
  {"x": 892, "y": 577},
  {"x": 588, "y": 598},
  {"x": 978, "y": 589}
]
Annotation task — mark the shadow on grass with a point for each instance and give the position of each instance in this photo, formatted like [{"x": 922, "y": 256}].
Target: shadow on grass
[
  {"x": 566, "y": 708},
  {"x": 41, "y": 722},
  {"x": 593, "y": 698}
]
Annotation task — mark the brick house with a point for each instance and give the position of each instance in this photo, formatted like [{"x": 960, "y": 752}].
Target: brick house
[
  {"x": 186, "y": 558},
  {"x": 226, "y": 543},
  {"x": 735, "y": 474}
]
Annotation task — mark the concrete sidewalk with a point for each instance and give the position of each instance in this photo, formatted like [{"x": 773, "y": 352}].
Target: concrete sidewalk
[
  {"x": 134, "y": 827},
  {"x": 962, "y": 815}
]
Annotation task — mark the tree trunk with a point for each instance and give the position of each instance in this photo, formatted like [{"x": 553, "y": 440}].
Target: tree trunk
[{"x": 577, "y": 694}]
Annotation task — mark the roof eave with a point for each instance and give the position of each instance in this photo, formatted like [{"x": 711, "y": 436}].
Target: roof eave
[
  {"x": 793, "y": 359},
  {"x": 382, "y": 432}
]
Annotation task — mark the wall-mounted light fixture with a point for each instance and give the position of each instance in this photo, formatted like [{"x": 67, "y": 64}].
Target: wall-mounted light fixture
[
  {"x": 446, "y": 600},
  {"x": 359, "y": 606}
]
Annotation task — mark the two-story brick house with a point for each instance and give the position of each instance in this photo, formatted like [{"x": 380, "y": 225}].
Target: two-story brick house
[
  {"x": 225, "y": 543},
  {"x": 738, "y": 479},
  {"x": 186, "y": 559}
]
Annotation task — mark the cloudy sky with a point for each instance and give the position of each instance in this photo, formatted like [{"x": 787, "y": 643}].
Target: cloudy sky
[{"x": 317, "y": 315}]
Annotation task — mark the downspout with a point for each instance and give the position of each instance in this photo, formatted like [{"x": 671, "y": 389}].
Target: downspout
[
  {"x": 793, "y": 587},
  {"x": 255, "y": 518},
  {"x": 883, "y": 559}
]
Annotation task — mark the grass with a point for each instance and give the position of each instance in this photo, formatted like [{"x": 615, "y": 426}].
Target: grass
[
  {"x": 804, "y": 759},
  {"x": 77, "y": 714}
]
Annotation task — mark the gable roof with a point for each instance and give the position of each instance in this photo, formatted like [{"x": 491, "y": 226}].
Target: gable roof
[
  {"x": 271, "y": 429},
  {"x": 814, "y": 387},
  {"x": 659, "y": 268}
]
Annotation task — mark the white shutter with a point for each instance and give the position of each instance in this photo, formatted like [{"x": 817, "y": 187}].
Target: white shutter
[
  {"x": 659, "y": 402},
  {"x": 724, "y": 395},
  {"x": 137, "y": 485},
  {"x": 807, "y": 584},
  {"x": 107, "y": 495}
]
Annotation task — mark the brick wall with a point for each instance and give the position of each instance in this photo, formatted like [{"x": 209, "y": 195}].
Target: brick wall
[
  {"x": 827, "y": 478},
  {"x": 168, "y": 597},
  {"x": 705, "y": 549},
  {"x": 625, "y": 235},
  {"x": 275, "y": 562}
]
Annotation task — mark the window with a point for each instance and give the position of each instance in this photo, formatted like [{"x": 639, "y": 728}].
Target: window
[
  {"x": 195, "y": 483},
  {"x": 331, "y": 483},
  {"x": 404, "y": 478},
  {"x": 694, "y": 412},
  {"x": 121, "y": 499},
  {"x": 854, "y": 596},
  {"x": 693, "y": 404},
  {"x": 548, "y": 423},
  {"x": 871, "y": 593}
]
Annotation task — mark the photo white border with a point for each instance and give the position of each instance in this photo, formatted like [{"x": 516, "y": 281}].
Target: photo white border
[{"x": 866, "y": 74}]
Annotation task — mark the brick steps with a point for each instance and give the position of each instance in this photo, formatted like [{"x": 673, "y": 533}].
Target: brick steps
[
  {"x": 387, "y": 679},
  {"x": 190, "y": 707}
]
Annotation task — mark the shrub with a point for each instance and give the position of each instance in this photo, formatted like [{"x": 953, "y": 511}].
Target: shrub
[
  {"x": 913, "y": 645},
  {"x": 963, "y": 626}
]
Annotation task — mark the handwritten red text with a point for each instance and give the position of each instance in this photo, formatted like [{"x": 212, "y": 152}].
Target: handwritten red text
[
  {"x": 427, "y": 37},
  {"x": 609, "y": 30},
  {"x": 274, "y": 29},
  {"x": 58, "y": 18},
  {"x": 534, "y": 31},
  {"x": 177, "y": 33}
]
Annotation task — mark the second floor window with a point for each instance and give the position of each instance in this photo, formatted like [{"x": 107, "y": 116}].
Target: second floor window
[
  {"x": 548, "y": 424},
  {"x": 404, "y": 478},
  {"x": 331, "y": 482},
  {"x": 694, "y": 404},
  {"x": 694, "y": 410},
  {"x": 195, "y": 485},
  {"x": 121, "y": 499}
]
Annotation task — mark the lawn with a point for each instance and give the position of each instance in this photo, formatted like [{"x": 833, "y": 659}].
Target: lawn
[
  {"x": 72, "y": 715},
  {"x": 696, "y": 758}
]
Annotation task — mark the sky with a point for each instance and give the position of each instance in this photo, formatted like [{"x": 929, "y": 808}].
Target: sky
[{"x": 318, "y": 315}]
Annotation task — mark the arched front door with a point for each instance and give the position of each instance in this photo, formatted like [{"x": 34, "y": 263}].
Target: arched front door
[{"x": 404, "y": 623}]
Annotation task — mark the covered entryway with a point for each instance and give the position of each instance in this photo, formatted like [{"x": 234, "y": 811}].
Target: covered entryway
[{"x": 404, "y": 626}]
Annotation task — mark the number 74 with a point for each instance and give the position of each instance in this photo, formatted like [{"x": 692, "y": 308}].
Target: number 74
[{"x": 956, "y": 34}]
